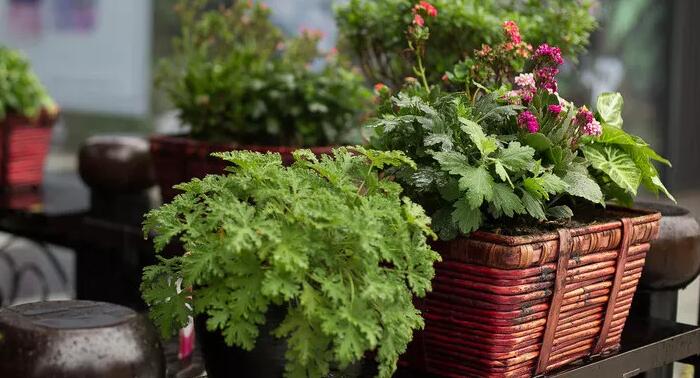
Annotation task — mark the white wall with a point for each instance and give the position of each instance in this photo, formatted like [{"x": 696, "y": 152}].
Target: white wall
[{"x": 106, "y": 69}]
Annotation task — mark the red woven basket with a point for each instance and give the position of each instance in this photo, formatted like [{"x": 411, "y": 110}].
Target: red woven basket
[
  {"x": 24, "y": 145},
  {"x": 180, "y": 159},
  {"x": 515, "y": 306}
]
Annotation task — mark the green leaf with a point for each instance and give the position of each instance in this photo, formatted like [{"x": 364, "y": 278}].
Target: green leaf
[
  {"x": 485, "y": 144},
  {"x": 582, "y": 185},
  {"x": 467, "y": 217},
  {"x": 516, "y": 157},
  {"x": 541, "y": 187},
  {"x": 502, "y": 174},
  {"x": 452, "y": 162},
  {"x": 538, "y": 141},
  {"x": 505, "y": 201},
  {"x": 533, "y": 206},
  {"x": 479, "y": 185},
  {"x": 609, "y": 107},
  {"x": 560, "y": 212},
  {"x": 617, "y": 164}
]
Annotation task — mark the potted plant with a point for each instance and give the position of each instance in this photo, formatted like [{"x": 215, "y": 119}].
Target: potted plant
[
  {"x": 373, "y": 31},
  {"x": 239, "y": 83},
  {"x": 325, "y": 253},
  {"x": 26, "y": 116},
  {"x": 537, "y": 271}
]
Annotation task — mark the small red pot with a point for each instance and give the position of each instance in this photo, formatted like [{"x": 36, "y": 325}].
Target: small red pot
[
  {"x": 178, "y": 159},
  {"x": 24, "y": 144}
]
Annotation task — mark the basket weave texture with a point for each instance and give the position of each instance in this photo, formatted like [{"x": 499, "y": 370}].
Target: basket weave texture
[
  {"x": 180, "y": 159},
  {"x": 24, "y": 145},
  {"x": 517, "y": 306}
]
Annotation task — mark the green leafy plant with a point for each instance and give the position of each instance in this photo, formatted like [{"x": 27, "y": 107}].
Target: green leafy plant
[
  {"x": 373, "y": 30},
  {"x": 329, "y": 239},
  {"x": 234, "y": 76},
  {"x": 509, "y": 151},
  {"x": 21, "y": 92}
]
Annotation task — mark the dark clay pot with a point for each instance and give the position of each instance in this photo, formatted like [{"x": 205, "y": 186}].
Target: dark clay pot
[
  {"x": 266, "y": 360},
  {"x": 674, "y": 258},
  {"x": 113, "y": 163},
  {"x": 68, "y": 339}
]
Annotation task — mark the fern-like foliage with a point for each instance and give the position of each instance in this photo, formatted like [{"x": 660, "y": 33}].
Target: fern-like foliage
[{"x": 328, "y": 238}]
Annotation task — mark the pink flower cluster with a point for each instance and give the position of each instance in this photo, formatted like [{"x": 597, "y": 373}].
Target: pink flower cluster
[
  {"x": 554, "y": 109},
  {"x": 547, "y": 61},
  {"x": 513, "y": 32},
  {"x": 421, "y": 7},
  {"x": 587, "y": 123},
  {"x": 528, "y": 121}
]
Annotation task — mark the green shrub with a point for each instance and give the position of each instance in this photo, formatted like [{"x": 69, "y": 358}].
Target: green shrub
[
  {"x": 373, "y": 30},
  {"x": 21, "y": 92},
  {"x": 235, "y": 77},
  {"x": 330, "y": 240}
]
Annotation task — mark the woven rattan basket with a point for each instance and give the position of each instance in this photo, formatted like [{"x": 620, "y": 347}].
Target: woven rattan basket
[{"x": 516, "y": 306}]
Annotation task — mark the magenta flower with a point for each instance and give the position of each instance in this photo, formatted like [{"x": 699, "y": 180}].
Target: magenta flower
[
  {"x": 587, "y": 123},
  {"x": 527, "y": 120},
  {"x": 549, "y": 54},
  {"x": 554, "y": 109},
  {"x": 545, "y": 77}
]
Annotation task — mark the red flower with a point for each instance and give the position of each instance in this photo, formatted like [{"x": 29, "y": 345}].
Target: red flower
[
  {"x": 379, "y": 87},
  {"x": 418, "y": 20},
  {"x": 429, "y": 8},
  {"x": 445, "y": 78}
]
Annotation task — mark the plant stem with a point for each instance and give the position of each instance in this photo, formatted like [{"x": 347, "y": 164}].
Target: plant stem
[{"x": 421, "y": 71}]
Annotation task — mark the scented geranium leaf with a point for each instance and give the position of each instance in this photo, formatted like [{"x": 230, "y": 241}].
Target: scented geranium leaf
[
  {"x": 380, "y": 159},
  {"x": 560, "y": 212},
  {"x": 502, "y": 173},
  {"x": 541, "y": 187},
  {"x": 533, "y": 206},
  {"x": 515, "y": 157},
  {"x": 582, "y": 185},
  {"x": 478, "y": 183},
  {"x": 444, "y": 140},
  {"x": 617, "y": 164},
  {"x": 485, "y": 144},
  {"x": 609, "y": 107},
  {"x": 449, "y": 191},
  {"x": 390, "y": 122},
  {"x": 467, "y": 217},
  {"x": 506, "y": 202},
  {"x": 453, "y": 162}
]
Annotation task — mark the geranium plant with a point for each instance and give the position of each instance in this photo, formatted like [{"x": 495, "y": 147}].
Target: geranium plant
[
  {"x": 330, "y": 240},
  {"x": 373, "y": 30},
  {"x": 21, "y": 92},
  {"x": 497, "y": 146},
  {"x": 234, "y": 76}
]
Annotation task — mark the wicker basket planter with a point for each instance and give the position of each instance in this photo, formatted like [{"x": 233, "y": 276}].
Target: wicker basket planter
[
  {"x": 24, "y": 144},
  {"x": 514, "y": 306},
  {"x": 178, "y": 159}
]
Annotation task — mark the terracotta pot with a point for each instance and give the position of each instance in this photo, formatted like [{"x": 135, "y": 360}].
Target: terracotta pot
[
  {"x": 673, "y": 261},
  {"x": 24, "y": 145},
  {"x": 66, "y": 339},
  {"x": 178, "y": 159},
  {"x": 512, "y": 306}
]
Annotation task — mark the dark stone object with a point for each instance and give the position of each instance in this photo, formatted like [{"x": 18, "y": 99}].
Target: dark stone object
[
  {"x": 119, "y": 164},
  {"x": 674, "y": 258},
  {"x": 63, "y": 339}
]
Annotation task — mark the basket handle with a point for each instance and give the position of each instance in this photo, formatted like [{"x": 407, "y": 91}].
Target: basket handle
[
  {"x": 557, "y": 298},
  {"x": 617, "y": 282}
]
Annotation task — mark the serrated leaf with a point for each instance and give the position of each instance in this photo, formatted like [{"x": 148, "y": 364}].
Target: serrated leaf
[
  {"x": 533, "y": 206},
  {"x": 506, "y": 202},
  {"x": 609, "y": 107},
  {"x": 452, "y": 162},
  {"x": 541, "y": 187},
  {"x": 617, "y": 164},
  {"x": 560, "y": 212},
  {"x": 478, "y": 183},
  {"x": 582, "y": 185},
  {"x": 515, "y": 157},
  {"x": 485, "y": 144},
  {"x": 444, "y": 140},
  {"x": 466, "y": 217},
  {"x": 502, "y": 174}
]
